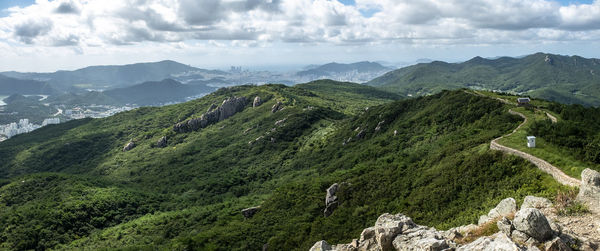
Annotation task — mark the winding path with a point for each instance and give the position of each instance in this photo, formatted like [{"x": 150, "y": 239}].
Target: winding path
[
  {"x": 540, "y": 163},
  {"x": 543, "y": 165}
]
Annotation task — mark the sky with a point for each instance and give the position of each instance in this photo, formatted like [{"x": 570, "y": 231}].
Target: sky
[{"x": 50, "y": 35}]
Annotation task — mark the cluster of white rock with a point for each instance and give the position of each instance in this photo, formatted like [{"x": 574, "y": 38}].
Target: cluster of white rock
[{"x": 23, "y": 126}]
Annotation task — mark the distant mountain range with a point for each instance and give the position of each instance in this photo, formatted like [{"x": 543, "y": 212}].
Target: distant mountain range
[
  {"x": 9, "y": 86},
  {"x": 108, "y": 77},
  {"x": 147, "y": 93},
  {"x": 566, "y": 79},
  {"x": 331, "y": 69}
]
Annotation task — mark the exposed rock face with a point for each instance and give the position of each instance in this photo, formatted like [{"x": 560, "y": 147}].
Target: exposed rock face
[
  {"x": 228, "y": 108},
  {"x": 533, "y": 223},
  {"x": 536, "y": 202},
  {"x": 162, "y": 142},
  {"x": 257, "y": 102},
  {"x": 249, "y": 212},
  {"x": 331, "y": 201},
  {"x": 589, "y": 191},
  {"x": 129, "y": 146},
  {"x": 277, "y": 107},
  {"x": 211, "y": 107}
]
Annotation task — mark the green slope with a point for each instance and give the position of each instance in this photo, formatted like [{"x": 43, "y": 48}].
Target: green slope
[
  {"x": 70, "y": 186},
  {"x": 554, "y": 77}
]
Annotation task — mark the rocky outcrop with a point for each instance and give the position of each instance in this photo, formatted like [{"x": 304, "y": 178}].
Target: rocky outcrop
[
  {"x": 257, "y": 102},
  {"x": 228, "y": 108},
  {"x": 536, "y": 202},
  {"x": 589, "y": 191},
  {"x": 162, "y": 142},
  {"x": 530, "y": 230},
  {"x": 393, "y": 232},
  {"x": 277, "y": 107},
  {"x": 130, "y": 145},
  {"x": 249, "y": 212},
  {"x": 331, "y": 201},
  {"x": 505, "y": 208}
]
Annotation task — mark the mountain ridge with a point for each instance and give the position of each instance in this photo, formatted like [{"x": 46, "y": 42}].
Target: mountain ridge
[{"x": 566, "y": 79}]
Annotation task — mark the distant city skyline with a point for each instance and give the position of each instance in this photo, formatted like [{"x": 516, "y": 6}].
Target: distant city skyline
[{"x": 44, "y": 35}]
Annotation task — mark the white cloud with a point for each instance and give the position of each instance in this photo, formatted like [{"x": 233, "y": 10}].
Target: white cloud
[{"x": 87, "y": 26}]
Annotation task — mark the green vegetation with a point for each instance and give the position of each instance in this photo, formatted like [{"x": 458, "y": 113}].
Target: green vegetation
[
  {"x": 553, "y": 77},
  {"x": 70, "y": 186}
]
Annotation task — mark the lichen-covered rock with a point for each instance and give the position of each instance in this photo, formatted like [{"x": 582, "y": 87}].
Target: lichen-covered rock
[
  {"x": 536, "y": 202},
  {"x": 249, "y": 212},
  {"x": 256, "y": 102},
  {"x": 130, "y": 145},
  {"x": 162, "y": 142},
  {"x": 533, "y": 223}
]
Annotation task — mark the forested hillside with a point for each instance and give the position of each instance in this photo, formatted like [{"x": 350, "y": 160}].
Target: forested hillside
[
  {"x": 565, "y": 79},
  {"x": 189, "y": 169}
]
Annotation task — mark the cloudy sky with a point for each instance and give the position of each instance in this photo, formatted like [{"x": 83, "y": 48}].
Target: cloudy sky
[{"x": 47, "y": 35}]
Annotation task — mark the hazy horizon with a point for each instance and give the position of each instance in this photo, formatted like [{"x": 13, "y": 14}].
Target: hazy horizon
[{"x": 45, "y": 36}]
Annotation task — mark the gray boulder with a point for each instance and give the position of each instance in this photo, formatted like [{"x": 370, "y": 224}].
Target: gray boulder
[
  {"x": 130, "y": 145},
  {"x": 257, "y": 102},
  {"x": 536, "y": 202},
  {"x": 162, "y": 142},
  {"x": 533, "y": 223}
]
